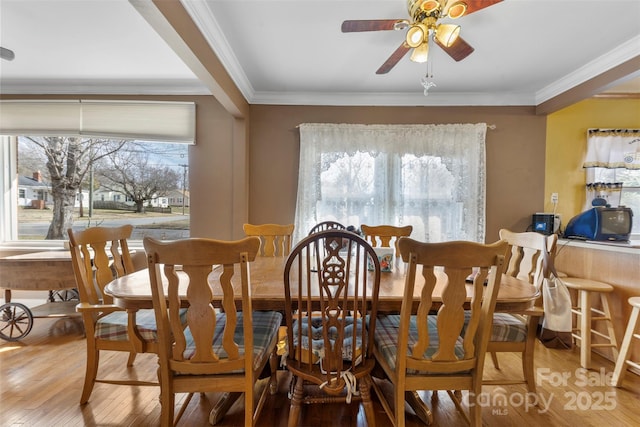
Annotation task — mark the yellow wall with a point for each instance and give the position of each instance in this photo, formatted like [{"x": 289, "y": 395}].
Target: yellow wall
[{"x": 566, "y": 146}]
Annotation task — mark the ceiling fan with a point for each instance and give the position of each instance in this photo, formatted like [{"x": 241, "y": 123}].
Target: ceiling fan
[
  {"x": 423, "y": 25},
  {"x": 7, "y": 54}
]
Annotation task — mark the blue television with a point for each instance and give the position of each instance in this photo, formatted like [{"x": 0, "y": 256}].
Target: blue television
[{"x": 601, "y": 223}]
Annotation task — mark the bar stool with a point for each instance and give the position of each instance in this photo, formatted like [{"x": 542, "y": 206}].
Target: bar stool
[
  {"x": 584, "y": 310},
  {"x": 623, "y": 357}
]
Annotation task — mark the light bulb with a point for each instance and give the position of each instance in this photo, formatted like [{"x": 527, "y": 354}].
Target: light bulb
[{"x": 420, "y": 53}]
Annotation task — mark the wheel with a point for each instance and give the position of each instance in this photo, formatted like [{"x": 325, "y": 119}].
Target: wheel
[
  {"x": 16, "y": 321},
  {"x": 64, "y": 295}
]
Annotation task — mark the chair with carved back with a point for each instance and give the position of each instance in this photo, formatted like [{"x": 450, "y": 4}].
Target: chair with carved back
[
  {"x": 385, "y": 235},
  {"x": 335, "y": 276},
  {"x": 99, "y": 255},
  {"x": 516, "y": 332},
  {"x": 327, "y": 225},
  {"x": 275, "y": 238},
  {"x": 225, "y": 346},
  {"x": 416, "y": 350}
]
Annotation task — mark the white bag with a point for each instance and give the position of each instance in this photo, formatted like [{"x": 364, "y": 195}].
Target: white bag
[{"x": 556, "y": 302}]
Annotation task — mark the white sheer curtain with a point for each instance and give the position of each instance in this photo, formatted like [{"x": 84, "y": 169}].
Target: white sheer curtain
[{"x": 428, "y": 176}]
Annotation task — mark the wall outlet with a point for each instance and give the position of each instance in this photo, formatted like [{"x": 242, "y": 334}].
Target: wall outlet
[{"x": 554, "y": 198}]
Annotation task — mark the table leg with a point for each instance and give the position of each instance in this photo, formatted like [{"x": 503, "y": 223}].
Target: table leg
[{"x": 222, "y": 406}]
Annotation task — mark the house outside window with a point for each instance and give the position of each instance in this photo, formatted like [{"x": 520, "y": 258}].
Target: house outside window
[{"x": 35, "y": 192}]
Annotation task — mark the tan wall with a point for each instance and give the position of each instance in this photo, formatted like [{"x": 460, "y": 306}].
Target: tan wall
[
  {"x": 567, "y": 146},
  {"x": 515, "y": 155}
]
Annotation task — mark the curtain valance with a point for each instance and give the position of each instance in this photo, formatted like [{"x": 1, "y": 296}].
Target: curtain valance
[
  {"x": 613, "y": 148},
  {"x": 419, "y": 140}
]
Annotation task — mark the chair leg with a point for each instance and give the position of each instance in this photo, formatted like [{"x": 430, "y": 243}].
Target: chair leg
[
  {"x": 296, "y": 401},
  {"x": 475, "y": 410},
  {"x": 132, "y": 358},
  {"x": 604, "y": 298},
  {"x": 365, "y": 393},
  {"x": 167, "y": 402},
  {"x": 183, "y": 408},
  {"x": 625, "y": 349},
  {"x": 249, "y": 406},
  {"x": 494, "y": 357},
  {"x": 585, "y": 329},
  {"x": 273, "y": 365},
  {"x": 528, "y": 353},
  {"x": 93, "y": 357}
]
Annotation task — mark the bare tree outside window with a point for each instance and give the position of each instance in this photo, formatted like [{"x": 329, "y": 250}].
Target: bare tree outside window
[
  {"x": 134, "y": 173},
  {"x": 61, "y": 179},
  {"x": 68, "y": 160}
]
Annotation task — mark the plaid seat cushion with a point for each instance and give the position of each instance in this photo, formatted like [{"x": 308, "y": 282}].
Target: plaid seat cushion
[
  {"x": 113, "y": 326},
  {"x": 265, "y": 327},
  {"x": 386, "y": 338},
  {"x": 317, "y": 340},
  {"x": 506, "y": 327}
]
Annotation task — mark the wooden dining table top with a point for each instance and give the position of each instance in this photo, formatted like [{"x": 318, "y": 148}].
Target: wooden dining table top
[{"x": 267, "y": 288}]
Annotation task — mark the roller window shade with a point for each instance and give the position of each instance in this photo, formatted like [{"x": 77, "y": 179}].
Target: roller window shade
[
  {"x": 40, "y": 117},
  {"x": 143, "y": 120}
]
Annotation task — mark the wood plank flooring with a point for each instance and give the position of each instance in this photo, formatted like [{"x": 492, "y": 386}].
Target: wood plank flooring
[{"x": 41, "y": 379}]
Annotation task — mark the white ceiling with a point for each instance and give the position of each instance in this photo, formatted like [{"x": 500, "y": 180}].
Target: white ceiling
[{"x": 293, "y": 52}]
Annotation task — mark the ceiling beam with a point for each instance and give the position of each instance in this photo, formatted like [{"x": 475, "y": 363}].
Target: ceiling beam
[
  {"x": 614, "y": 76},
  {"x": 172, "y": 22}
]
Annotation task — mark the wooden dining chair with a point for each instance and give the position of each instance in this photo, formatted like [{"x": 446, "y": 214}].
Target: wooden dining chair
[
  {"x": 421, "y": 351},
  {"x": 275, "y": 238},
  {"x": 516, "y": 332},
  {"x": 329, "y": 297},
  {"x": 384, "y": 235},
  {"x": 327, "y": 225},
  {"x": 225, "y": 345},
  {"x": 99, "y": 255}
]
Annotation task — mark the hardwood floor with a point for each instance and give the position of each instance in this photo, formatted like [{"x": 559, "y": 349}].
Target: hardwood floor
[{"x": 41, "y": 380}]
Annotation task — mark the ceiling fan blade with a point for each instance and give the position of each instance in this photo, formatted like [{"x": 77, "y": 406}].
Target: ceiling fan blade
[
  {"x": 358, "y": 25},
  {"x": 7, "y": 54},
  {"x": 476, "y": 5},
  {"x": 393, "y": 59},
  {"x": 459, "y": 50}
]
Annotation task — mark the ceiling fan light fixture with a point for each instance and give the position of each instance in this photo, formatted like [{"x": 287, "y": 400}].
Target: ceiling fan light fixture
[
  {"x": 457, "y": 9},
  {"x": 447, "y": 34},
  {"x": 417, "y": 34},
  {"x": 420, "y": 53},
  {"x": 430, "y": 5}
]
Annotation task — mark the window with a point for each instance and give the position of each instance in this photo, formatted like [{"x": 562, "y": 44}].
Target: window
[
  {"x": 135, "y": 175},
  {"x": 628, "y": 196},
  {"x": 613, "y": 161},
  {"x": 152, "y": 125},
  {"x": 427, "y": 176}
]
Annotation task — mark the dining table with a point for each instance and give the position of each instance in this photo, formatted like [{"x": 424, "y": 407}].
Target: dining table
[{"x": 133, "y": 291}]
